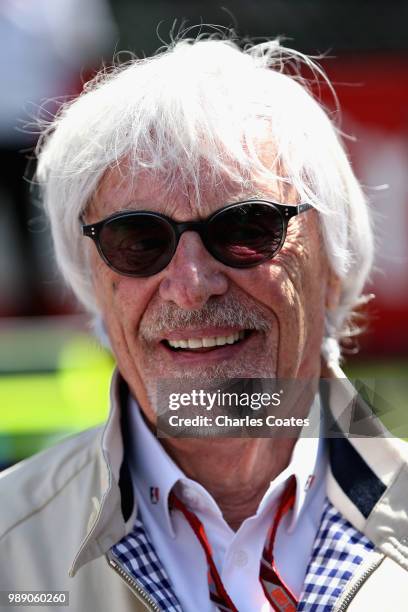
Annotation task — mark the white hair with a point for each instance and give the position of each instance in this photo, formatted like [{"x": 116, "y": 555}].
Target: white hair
[{"x": 198, "y": 102}]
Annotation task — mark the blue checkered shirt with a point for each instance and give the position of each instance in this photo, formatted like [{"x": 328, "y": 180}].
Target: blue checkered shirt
[{"x": 338, "y": 551}]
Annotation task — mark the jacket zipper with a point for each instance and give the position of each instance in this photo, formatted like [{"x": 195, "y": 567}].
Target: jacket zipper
[
  {"x": 347, "y": 599},
  {"x": 136, "y": 588}
]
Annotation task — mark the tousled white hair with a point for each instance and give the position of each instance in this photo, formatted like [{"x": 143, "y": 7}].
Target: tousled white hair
[{"x": 203, "y": 103}]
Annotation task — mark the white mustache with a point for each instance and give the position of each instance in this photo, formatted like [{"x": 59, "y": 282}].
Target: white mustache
[{"x": 217, "y": 312}]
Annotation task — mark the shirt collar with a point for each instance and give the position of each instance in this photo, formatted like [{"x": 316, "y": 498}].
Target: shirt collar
[
  {"x": 309, "y": 460},
  {"x": 155, "y": 474},
  {"x": 307, "y": 464}
]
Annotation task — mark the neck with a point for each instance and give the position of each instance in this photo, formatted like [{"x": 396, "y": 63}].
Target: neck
[{"x": 236, "y": 472}]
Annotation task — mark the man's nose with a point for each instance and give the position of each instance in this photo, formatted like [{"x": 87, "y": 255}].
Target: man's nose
[{"x": 193, "y": 275}]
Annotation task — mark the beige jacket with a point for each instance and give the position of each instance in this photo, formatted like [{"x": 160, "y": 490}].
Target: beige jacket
[{"x": 63, "y": 509}]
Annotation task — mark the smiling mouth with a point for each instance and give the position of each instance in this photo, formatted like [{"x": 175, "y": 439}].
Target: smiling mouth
[{"x": 206, "y": 343}]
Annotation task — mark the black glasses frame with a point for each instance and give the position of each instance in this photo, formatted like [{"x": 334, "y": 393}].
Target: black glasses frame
[{"x": 286, "y": 212}]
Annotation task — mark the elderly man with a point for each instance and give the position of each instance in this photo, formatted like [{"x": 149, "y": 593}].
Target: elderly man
[{"x": 202, "y": 206}]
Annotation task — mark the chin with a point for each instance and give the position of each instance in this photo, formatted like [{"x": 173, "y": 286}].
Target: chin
[{"x": 208, "y": 374}]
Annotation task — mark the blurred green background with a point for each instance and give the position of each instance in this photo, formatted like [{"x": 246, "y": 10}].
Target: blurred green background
[{"x": 54, "y": 381}]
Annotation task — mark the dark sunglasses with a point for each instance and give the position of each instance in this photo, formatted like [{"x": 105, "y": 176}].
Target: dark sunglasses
[{"x": 241, "y": 235}]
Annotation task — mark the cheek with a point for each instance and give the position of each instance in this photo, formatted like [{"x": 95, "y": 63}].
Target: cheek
[
  {"x": 122, "y": 301},
  {"x": 273, "y": 287},
  {"x": 292, "y": 287},
  {"x": 105, "y": 284},
  {"x": 309, "y": 278}
]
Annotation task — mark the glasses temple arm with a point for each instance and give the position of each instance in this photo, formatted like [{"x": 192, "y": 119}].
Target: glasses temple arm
[{"x": 303, "y": 208}]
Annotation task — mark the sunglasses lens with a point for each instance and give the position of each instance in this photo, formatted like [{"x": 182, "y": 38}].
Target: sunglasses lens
[
  {"x": 246, "y": 235},
  {"x": 137, "y": 245}
]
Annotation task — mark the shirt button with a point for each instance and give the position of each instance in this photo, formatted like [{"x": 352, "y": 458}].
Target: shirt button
[
  {"x": 191, "y": 498},
  {"x": 240, "y": 558}
]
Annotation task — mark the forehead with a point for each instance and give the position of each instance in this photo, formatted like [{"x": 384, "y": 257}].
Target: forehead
[{"x": 122, "y": 188}]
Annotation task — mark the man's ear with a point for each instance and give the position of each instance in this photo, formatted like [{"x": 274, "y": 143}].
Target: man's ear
[{"x": 333, "y": 290}]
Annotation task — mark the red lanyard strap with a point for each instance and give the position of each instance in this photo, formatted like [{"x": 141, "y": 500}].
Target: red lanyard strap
[
  {"x": 276, "y": 591},
  {"x": 218, "y": 594}
]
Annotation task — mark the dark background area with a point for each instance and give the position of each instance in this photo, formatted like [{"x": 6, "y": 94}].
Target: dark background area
[{"x": 313, "y": 26}]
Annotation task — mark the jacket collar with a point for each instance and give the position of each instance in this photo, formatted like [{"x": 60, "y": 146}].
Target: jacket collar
[
  {"x": 367, "y": 478},
  {"x": 368, "y": 474},
  {"x": 114, "y": 510}
]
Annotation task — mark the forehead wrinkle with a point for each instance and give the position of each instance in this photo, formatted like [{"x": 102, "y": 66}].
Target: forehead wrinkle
[
  {"x": 171, "y": 205},
  {"x": 190, "y": 211},
  {"x": 179, "y": 203},
  {"x": 251, "y": 194}
]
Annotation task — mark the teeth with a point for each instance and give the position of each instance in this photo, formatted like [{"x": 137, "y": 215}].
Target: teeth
[{"x": 194, "y": 343}]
